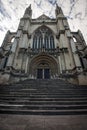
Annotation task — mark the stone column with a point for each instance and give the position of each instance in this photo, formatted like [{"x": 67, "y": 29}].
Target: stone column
[
  {"x": 60, "y": 25},
  {"x": 63, "y": 65},
  {"x": 26, "y": 64},
  {"x": 12, "y": 55},
  {"x": 23, "y": 43},
  {"x": 24, "y": 60},
  {"x": 60, "y": 65},
  {"x": 63, "y": 41},
  {"x": 2, "y": 64},
  {"x": 26, "y": 26},
  {"x": 19, "y": 61},
  {"x": 75, "y": 54}
]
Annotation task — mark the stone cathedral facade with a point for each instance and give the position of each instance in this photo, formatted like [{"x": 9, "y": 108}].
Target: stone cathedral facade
[{"x": 43, "y": 48}]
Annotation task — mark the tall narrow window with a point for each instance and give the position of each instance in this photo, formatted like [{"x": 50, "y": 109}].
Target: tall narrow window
[
  {"x": 52, "y": 42},
  {"x": 74, "y": 39},
  {"x": 12, "y": 40},
  {"x": 35, "y": 43},
  {"x": 40, "y": 43},
  {"x": 46, "y": 42},
  {"x": 3, "y": 62}
]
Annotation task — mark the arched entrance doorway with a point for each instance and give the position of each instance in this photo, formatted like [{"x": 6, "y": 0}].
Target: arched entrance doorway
[
  {"x": 43, "y": 71},
  {"x": 43, "y": 66}
]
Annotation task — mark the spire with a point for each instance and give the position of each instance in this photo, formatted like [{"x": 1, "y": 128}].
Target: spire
[
  {"x": 28, "y": 11},
  {"x": 58, "y": 11}
]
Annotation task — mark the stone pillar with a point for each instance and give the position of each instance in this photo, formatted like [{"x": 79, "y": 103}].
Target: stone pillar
[
  {"x": 75, "y": 54},
  {"x": 26, "y": 64},
  {"x": 21, "y": 24},
  {"x": 68, "y": 55},
  {"x": 11, "y": 56},
  {"x": 64, "y": 36},
  {"x": 60, "y": 25},
  {"x": 67, "y": 61},
  {"x": 60, "y": 64},
  {"x": 3, "y": 62},
  {"x": 63, "y": 65},
  {"x": 19, "y": 33},
  {"x": 19, "y": 61},
  {"x": 26, "y": 26},
  {"x": 14, "y": 46},
  {"x": 10, "y": 60},
  {"x": 65, "y": 23},
  {"x": 6, "y": 39},
  {"x": 64, "y": 46},
  {"x": 23, "y": 43},
  {"x": 63, "y": 41},
  {"x": 24, "y": 60}
]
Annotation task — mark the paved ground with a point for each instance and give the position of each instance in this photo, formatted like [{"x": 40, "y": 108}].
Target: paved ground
[{"x": 31, "y": 122}]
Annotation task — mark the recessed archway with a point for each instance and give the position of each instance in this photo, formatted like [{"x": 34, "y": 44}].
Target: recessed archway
[{"x": 43, "y": 66}]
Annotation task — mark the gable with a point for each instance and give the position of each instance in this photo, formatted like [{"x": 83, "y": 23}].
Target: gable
[{"x": 43, "y": 17}]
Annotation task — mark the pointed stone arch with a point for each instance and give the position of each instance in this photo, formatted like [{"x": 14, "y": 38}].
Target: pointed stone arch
[
  {"x": 43, "y": 26},
  {"x": 46, "y": 35},
  {"x": 43, "y": 61}
]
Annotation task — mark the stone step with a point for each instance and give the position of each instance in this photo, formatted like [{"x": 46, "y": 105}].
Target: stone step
[
  {"x": 44, "y": 102},
  {"x": 42, "y": 88},
  {"x": 54, "y": 90},
  {"x": 44, "y": 112},
  {"x": 44, "y": 95},
  {"x": 42, "y": 107},
  {"x": 44, "y": 99},
  {"x": 34, "y": 83},
  {"x": 67, "y": 86},
  {"x": 43, "y": 92}
]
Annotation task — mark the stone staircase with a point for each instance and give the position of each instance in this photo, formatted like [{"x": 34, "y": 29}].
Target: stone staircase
[{"x": 43, "y": 97}]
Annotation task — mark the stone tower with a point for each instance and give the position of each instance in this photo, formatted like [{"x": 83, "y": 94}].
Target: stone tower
[{"x": 43, "y": 48}]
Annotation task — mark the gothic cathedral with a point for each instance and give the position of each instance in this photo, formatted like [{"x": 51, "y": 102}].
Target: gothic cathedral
[{"x": 43, "y": 48}]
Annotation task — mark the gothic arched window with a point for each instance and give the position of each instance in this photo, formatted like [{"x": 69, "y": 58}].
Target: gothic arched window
[
  {"x": 43, "y": 37},
  {"x": 74, "y": 39},
  {"x": 12, "y": 40}
]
